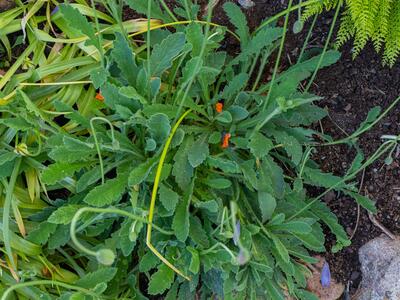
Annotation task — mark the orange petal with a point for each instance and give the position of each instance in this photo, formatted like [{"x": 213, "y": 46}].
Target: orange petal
[
  {"x": 99, "y": 97},
  {"x": 219, "y": 106},
  {"x": 225, "y": 140}
]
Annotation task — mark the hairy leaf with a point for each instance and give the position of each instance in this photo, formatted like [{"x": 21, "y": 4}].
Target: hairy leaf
[
  {"x": 161, "y": 280},
  {"x": 163, "y": 54},
  {"x": 107, "y": 193},
  {"x": 90, "y": 280},
  {"x": 64, "y": 214}
]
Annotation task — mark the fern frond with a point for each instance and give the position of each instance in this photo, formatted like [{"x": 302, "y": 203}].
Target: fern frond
[
  {"x": 346, "y": 29},
  {"x": 317, "y": 8},
  {"x": 363, "y": 20},
  {"x": 381, "y": 24},
  {"x": 392, "y": 49}
]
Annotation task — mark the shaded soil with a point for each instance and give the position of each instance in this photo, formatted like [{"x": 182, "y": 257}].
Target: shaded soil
[{"x": 350, "y": 89}]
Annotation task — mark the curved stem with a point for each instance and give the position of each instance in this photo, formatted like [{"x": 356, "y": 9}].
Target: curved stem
[
  {"x": 307, "y": 39},
  {"x": 183, "y": 23},
  {"x": 154, "y": 196},
  {"x": 378, "y": 153},
  {"x": 284, "y": 12},
  {"x": 83, "y": 210},
  {"x": 97, "y": 142},
  {"x": 218, "y": 244},
  {"x": 148, "y": 49},
  {"x": 165, "y": 6},
  {"x": 357, "y": 133},
  {"x": 50, "y": 282}
]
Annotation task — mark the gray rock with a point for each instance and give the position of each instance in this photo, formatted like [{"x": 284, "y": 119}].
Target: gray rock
[{"x": 380, "y": 267}]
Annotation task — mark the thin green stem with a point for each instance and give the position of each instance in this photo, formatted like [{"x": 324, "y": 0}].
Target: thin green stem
[
  {"x": 215, "y": 246},
  {"x": 260, "y": 70},
  {"x": 83, "y": 210},
  {"x": 359, "y": 132},
  {"x": 321, "y": 58},
  {"x": 378, "y": 153},
  {"x": 277, "y": 62},
  {"x": 284, "y": 12},
  {"x": 99, "y": 37},
  {"x": 169, "y": 12},
  {"x": 148, "y": 48},
  {"x": 303, "y": 49},
  {"x": 17, "y": 286},
  {"x": 97, "y": 142},
  {"x": 197, "y": 66},
  {"x": 188, "y": 13}
]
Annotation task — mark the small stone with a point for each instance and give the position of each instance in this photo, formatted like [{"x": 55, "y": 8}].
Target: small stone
[
  {"x": 380, "y": 267},
  {"x": 347, "y": 107},
  {"x": 246, "y": 4}
]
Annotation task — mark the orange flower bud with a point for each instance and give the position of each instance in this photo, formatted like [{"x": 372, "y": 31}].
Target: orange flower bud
[
  {"x": 219, "y": 106},
  {"x": 99, "y": 97},
  {"x": 225, "y": 140}
]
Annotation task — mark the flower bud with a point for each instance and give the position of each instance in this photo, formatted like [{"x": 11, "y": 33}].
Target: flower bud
[{"x": 105, "y": 257}]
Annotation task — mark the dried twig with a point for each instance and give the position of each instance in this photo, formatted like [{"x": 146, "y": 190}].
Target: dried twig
[{"x": 379, "y": 225}]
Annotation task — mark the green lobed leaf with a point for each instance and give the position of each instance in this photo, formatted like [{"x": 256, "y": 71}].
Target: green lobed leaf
[
  {"x": 197, "y": 232},
  {"x": 182, "y": 169},
  {"x": 140, "y": 173},
  {"x": 163, "y": 54},
  {"x": 260, "y": 145},
  {"x": 238, "y": 19},
  {"x": 373, "y": 114},
  {"x": 194, "y": 265},
  {"x": 98, "y": 76},
  {"x": 90, "y": 280},
  {"x": 79, "y": 22},
  {"x": 364, "y": 201},
  {"x": 124, "y": 57},
  {"x": 194, "y": 35},
  {"x": 235, "y": 86},
  {"x": 41, "y": 234},
  {"x": 64, "y": 214},
  {"x": 107, "y": 193},
  {"x": 60, "y": 170},
  {"x": 161, "y": 280},
  {"x": 225, "y": 165},
  {"x": 198, "y": 152},
  {"x": 267, "y": 205},
  {"x": 168, "y": 198},
  {"x": 159, "y": 127},
  {"x": 180, "y": 223},
  {"x": 292, "y": 146}
]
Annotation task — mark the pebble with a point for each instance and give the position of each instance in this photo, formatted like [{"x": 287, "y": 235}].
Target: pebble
[
  {"x": 380, "y": 267},
  {"x": 246, "y": 4}
]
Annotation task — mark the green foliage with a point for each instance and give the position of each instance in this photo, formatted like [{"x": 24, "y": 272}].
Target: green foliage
[
  {"x": 375, "y": 20},
  {"x": 232, "y": 212}
]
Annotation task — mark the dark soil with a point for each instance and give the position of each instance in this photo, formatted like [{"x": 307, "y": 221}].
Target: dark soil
[{"x": 350, "y": 89}]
